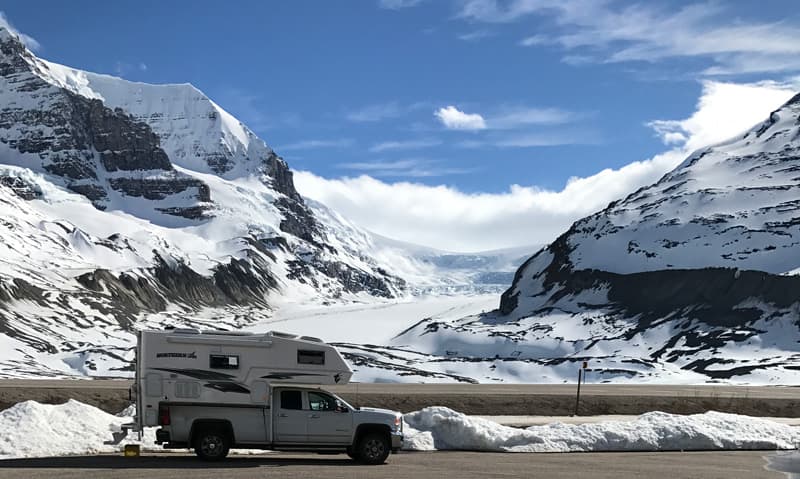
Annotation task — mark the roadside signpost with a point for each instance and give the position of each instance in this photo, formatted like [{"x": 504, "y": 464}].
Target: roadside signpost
[{"x": 581, "y": 376}]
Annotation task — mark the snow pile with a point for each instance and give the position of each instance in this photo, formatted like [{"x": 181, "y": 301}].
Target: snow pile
[
  {"x": 442, "y": 428},
  {"x": 32, "y": 429}
]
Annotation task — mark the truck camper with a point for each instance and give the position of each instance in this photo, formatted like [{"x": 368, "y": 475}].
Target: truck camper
[{"x": 212, "y": 391}]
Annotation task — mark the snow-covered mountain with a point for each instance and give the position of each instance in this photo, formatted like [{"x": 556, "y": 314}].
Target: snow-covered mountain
[
  {"x": 122, "y": 200},
  {"x": 132, "y": 205},
  {"x": 692, "y": 278}
]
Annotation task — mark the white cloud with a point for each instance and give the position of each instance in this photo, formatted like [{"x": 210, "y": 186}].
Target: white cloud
[
  {"x": 313, "y": 144},
  {"x": 27, "y": 40},
  {"x": 404, "y": 145},
  {"x": 520, "y": 139},
  {"x": 524, "y": 116},
  {"x": 407, "y": 168},
  {"x": 530, "y": 140},
  {"x": 620, "y": 32},
  {"x": 454, "y": 119},
  {"x": 376, "y": 112},
  {"x": 722, "y": 105},
  {"x": 535, "y": 40},
  {"x": 398, "y": 4},
  {"x": 475, "y": 35},
  {"x": 447, "y": 218}
]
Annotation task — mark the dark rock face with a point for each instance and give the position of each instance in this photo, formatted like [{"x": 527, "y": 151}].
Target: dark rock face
[
  {"x": 352, "y": 280},
  {"x": 93, "y": 191},
  {"x": 123, "y": 143},
  {"x": 711, "y": 295},
  {"x": 160, "y": 188},
  {"x": 280, "y": 176},
  {"x": 20, "y": 187},
  {"x": 64, "y": 130},
  {"x": 298, "y": 219},
  {"x": 239, "y": 282}
]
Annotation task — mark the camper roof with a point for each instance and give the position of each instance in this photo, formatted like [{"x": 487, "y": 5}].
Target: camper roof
[{"x": 213, "y": 332}]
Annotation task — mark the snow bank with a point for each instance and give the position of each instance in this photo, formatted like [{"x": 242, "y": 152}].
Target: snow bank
[
  {"x": 442, "y": 428},
  {"x": 32, "y": 429}
]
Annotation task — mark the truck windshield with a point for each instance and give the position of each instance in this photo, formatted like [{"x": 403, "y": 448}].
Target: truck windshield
[{"x": 344, "y": 403}]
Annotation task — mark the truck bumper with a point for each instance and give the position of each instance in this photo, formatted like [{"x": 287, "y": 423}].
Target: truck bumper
[{"x": 397, "y": 441}]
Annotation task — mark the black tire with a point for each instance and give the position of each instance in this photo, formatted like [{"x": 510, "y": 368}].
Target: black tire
[
  {"x": 373, "y": 448},
  {"x": 212, "y": 444},
  {"x": 352, "y": 455}
]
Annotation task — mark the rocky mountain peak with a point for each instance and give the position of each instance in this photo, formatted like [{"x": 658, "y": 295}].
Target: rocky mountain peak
[
  {"x": 14, "y": 55},
  {"x": 7, "y": 37},
  {"x": 100, "y": 152}
]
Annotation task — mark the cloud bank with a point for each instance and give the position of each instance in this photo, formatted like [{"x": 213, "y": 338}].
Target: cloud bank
[
  {"x": 446, "y": 218},
  {"x": 603, "y": 31}
]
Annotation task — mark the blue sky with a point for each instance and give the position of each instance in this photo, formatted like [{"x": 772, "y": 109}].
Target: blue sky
[{"x": 477, "y": 95}]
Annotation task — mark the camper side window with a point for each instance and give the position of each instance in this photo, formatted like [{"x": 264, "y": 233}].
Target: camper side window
[
  {"x": 310, "y": 357},
  {"x": 291, "y": 400},
  {"x": 224, "y": 361}
]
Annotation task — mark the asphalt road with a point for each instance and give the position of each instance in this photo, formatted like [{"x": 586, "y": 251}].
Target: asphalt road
[{"x": 438, "y": 465}]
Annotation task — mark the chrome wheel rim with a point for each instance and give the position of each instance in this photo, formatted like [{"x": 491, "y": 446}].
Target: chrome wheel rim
[
  {"x": 374, "y": 449},
  {"x": 211, "y": 445}
]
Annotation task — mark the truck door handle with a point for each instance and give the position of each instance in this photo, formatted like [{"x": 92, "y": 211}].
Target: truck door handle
[
  {"x": 314, "y": 416},
  {"x": 283, "y": 415}
]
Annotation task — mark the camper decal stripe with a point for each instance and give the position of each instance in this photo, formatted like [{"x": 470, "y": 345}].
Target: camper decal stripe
[
  {"x": 227, "y": 387},
  {"x": 199, "y": 374},
  {"x": 289, "y": 375}
]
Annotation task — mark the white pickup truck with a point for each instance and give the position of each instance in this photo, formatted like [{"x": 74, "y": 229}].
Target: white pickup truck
[
  {"x": 213, "y": 391},
  {"x": 299, "y": 419}
]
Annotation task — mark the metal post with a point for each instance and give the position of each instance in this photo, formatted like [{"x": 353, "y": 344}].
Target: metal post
[{"x": 578, "y": 396}]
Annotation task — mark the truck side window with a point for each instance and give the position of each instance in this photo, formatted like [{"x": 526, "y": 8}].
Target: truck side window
[
  {"x": 321, "y": 402},
  {"x": 305, "y": 356},
  {"x": 291, "y": 400}
]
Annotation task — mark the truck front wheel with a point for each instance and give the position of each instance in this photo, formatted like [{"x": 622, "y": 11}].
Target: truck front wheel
[
  {"x": 212, "y": 444},
  {"x": 373, "y": 448}
]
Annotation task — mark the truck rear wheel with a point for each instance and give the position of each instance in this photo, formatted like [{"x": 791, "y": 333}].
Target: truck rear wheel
[
  {"x": 212, "y": 444},
  {"x": 373, "y": 448}
]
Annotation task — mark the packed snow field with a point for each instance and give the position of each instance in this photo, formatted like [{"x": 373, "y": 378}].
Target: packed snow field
[{"x": 31, "y": 429}]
